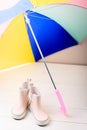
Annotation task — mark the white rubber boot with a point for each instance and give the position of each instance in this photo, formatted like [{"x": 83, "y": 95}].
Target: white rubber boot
[
  {"x": 20, "y": 108},
  {"x": 36, "y": 108}
]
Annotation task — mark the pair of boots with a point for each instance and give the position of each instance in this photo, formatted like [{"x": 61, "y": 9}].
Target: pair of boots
[{"x": 29, "y": 96}]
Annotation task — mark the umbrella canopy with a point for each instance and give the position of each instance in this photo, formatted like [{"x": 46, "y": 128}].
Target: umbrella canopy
[{"x": 15, "y": 46}]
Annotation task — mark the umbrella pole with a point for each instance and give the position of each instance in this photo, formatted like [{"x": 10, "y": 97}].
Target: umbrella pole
[{"x": 63, "y": 108}]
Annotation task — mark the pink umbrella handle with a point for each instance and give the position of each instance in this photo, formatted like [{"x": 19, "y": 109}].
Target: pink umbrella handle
[{"x": 63, "y": 108}]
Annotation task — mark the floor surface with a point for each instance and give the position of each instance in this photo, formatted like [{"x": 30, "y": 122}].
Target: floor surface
[{"x": 71, "y": 80}]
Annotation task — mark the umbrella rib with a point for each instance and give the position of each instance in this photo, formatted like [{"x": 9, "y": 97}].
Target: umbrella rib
[{"x": 41, "y": 53}]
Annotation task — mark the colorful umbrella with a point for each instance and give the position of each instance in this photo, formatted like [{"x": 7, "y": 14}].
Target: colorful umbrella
[
  {"x": 70, "y": 17},
  {"x": 54, "y": 38},
  {"x": 46, "y": 35}
]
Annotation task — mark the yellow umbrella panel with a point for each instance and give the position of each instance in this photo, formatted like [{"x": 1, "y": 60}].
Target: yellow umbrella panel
[
  {"x": 45, "y": 2},
  {"x": 15, "y": 46}
]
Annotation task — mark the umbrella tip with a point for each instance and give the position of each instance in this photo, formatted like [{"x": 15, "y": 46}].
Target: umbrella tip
[{"x": 26, "y": 18}]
